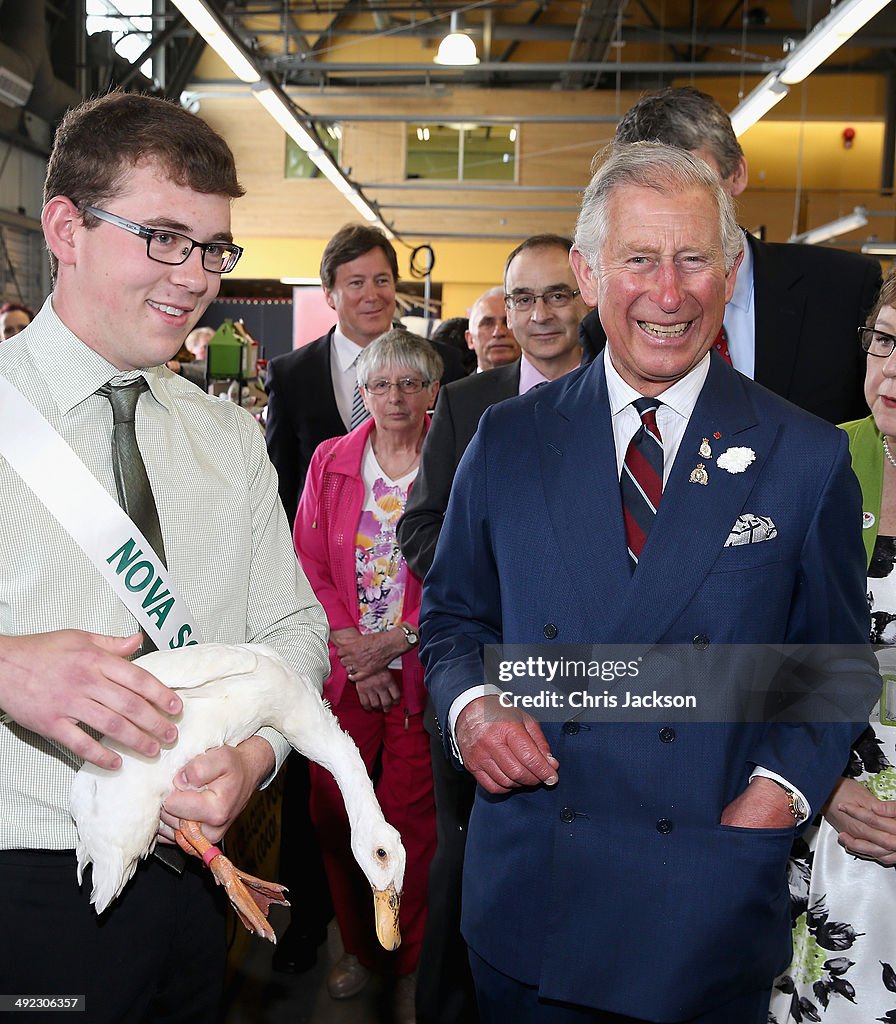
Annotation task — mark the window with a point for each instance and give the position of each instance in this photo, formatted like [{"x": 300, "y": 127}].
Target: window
[
  {"x": 461, "y": 152},
  {"x": 299, "y": 164}
]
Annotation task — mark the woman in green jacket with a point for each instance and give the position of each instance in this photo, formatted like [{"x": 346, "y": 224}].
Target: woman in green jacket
[{"x": 843, "y": 886}]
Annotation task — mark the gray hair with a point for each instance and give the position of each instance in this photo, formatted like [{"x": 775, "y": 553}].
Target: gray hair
[
  {"x": 399, "y": 348},
  {"x": 664, "y": 169},
  {"x": 686, "y": 118}
]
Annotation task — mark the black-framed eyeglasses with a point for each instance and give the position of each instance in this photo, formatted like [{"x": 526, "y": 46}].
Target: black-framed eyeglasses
[
  {"x": 876, "y": 343},
  {"x": 169, "y": 247},
  {"x": 407, "y": 386},
  {"x": 556, "y": 298}
]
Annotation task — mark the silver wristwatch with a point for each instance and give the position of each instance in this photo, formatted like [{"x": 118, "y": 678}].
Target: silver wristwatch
[{"x": 409, "y": 634}]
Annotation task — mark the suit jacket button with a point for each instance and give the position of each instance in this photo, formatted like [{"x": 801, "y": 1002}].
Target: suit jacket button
[
  {"x": 550, "y": 631},
  {"x": 664, "y": 826},
  {"x": 571, "y": 728},
  {"x": 567, "y": 815},
  {"x": 701, "y": 641},
  {"x": 667, "y": 734}
]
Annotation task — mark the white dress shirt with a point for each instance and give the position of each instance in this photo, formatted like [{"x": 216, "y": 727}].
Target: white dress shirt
[
  {"x": 343, "y": 358},
  {"x": 672, "y": 417}
]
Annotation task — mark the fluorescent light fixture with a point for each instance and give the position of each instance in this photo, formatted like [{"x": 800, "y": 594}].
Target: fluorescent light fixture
[
  {"x": 851, "y": 222},
  {"x": 280, "y": 109},
  {"x": 362, "y": 206},
  {"x": 219, "y": 37},
  {"x": 14, "y": 90},
  {"x": 828, "y": 35},
  {"x": 324, "y": 163},
  {"x": 457, "y": 49},
  {"x": 879, "y": 249},
  {"x": 757, "y": 104}
]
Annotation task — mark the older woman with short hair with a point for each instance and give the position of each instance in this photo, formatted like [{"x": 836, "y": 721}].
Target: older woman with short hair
[{"x": 355, "y": 491}]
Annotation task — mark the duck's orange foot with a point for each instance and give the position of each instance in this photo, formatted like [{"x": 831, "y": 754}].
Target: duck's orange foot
[{"x": 250, "y": 897}]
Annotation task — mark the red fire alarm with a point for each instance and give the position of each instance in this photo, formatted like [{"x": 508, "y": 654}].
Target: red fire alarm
[{"x": 849, "y": 134}]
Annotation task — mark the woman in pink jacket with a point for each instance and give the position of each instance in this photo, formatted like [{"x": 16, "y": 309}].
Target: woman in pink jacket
[{"x": 355, "y": 491}]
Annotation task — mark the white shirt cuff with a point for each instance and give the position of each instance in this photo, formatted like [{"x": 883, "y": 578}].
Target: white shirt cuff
[
  {"x": 459, "y": 703},
  {"x": 763, "y": 773}
]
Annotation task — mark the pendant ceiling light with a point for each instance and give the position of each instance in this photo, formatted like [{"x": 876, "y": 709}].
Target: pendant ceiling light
[{"x": 457, "y": 49}]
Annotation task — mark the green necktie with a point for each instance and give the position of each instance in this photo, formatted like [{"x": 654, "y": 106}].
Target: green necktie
[
  {"x": 136, "y": 498},
  {"x": 134, "y": 491}
]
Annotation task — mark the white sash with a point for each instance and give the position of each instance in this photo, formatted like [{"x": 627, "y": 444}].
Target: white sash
[{"x": 95, "y": 521}]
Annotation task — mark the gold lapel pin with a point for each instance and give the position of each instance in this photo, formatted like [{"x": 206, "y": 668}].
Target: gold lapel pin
[{"x": 699, "y": 475}]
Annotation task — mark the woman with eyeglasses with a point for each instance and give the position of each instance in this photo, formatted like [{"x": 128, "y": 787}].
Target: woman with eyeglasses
[
  {"x": 843, "y": 886},
  {"x": 355, "y": 491}
]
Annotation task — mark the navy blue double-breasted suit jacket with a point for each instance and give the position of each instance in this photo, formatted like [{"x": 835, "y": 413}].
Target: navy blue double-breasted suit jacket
[{"x": 618, "y": 888}]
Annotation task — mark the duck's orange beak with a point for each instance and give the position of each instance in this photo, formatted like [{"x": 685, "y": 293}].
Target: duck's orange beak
[{"x": 385, "y": 906}]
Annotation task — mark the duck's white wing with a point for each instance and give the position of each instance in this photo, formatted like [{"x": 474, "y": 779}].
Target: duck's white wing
[
  {"x": 186, "y": 667},
  {"x": 117, "y": 812}
]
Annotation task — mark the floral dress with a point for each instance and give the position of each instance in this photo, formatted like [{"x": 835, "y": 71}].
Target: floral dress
[
  {"x": 379, "y": 564},
  {"x": 844, "y": 908}
]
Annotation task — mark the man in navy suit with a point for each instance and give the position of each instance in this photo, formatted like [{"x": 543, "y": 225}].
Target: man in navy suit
[
  {"x": 311, "y": 390},
  {"x": 549, "y": 331},
  {"x": 792, "y": 320},
  {"x": 635, "y": 870}
]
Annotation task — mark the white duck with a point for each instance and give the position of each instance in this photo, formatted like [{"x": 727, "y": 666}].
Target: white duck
[{"x": 229, "y": 692}]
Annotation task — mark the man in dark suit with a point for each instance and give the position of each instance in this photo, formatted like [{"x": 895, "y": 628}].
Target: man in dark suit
[
  {"x": 545, "y": 312},
  {"x": 550, "y": 338},
  {"x": 312, "y": 391},
  {"x": 792, "y": 320},
  {"x": 637, "y": 867}
]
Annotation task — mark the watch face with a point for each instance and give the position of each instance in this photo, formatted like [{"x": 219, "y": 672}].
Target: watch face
[{"x": 411, "y": 635}]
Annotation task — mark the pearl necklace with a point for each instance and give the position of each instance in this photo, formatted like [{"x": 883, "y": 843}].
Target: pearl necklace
[{"x": 888, "y": 453}]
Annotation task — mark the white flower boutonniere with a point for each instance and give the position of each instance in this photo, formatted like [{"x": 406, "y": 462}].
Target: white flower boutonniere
[{"x": 736, "y": 460}]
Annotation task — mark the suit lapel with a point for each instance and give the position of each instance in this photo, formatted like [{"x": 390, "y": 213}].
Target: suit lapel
[
  {"x": 694, "y": 520},
  {"x": 504, "y": 382},
  {"x": 778, "y": 305},
  {"x": 578, "y": 467}
]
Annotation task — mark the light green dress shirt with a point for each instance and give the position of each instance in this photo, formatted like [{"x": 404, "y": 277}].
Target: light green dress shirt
[{"x": 227, "y": 544}]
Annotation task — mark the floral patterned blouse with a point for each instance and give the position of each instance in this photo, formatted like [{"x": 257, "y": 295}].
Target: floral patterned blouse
[{"x": 380, "y": 565}]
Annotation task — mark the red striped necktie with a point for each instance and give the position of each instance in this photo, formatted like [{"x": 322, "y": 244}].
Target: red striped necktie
[
  {"x": 641, "y": 481},
  {"x": 721, "y": 345}
]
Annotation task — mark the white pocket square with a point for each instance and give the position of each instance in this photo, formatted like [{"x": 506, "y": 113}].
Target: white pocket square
[{"x": 751, "y": 529}]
